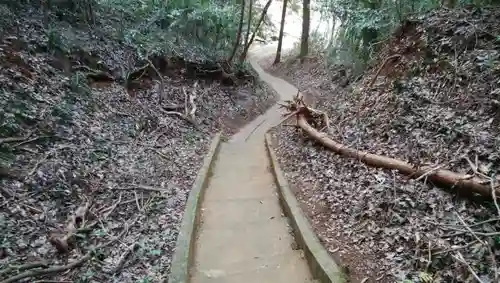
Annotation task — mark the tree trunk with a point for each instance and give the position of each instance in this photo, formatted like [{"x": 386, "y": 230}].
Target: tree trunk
[
  {"x": 282, "y": 29},
  {"x": 215, "y": 43},
  {"x": 306, "y": 20},
  {"x": 264, "y": 12},
  {"x": 249, "y": 24},
  {"x": 332, "y": 34},
  {"x": 238, "y": 35}
]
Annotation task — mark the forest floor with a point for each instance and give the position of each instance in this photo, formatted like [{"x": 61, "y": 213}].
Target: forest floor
[
  {"x": 94, "y": 175},
  {"x": 430, "y": 98}
]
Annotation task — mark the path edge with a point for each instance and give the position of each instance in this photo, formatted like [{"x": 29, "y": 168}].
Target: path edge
[
  {"x": 321, "y": 264},
  {"x": 184, "y": 248}
]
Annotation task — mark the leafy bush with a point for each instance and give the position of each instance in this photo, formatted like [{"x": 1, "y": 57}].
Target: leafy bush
[{"x": 199, "y": 30}]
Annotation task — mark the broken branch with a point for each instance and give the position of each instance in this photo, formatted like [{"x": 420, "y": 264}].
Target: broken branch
[
  {"x": 61, "y": 268},
  {"x": 123, "y": 258},
  {"x": 142, "y": 187},
  {"x": 23, "y": 267},
  {"x": 464, "y": 183},
  {"x": 75, "y": 221}
]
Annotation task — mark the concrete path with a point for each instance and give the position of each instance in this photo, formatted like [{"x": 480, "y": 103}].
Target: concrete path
[{"x": 243, "y": 236}]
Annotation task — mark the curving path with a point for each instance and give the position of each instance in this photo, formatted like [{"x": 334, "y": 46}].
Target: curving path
[{"x": 243, "y": 237}]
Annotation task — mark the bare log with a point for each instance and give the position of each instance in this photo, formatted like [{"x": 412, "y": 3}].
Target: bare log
[
  {"x": 465, "y": 183},
  {"x": 442, "y": 177}
]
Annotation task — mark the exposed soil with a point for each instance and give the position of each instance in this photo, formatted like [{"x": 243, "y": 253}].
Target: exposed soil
[
  {"x": 433, "y": 103},
  {"x": 84, "y": 160}
]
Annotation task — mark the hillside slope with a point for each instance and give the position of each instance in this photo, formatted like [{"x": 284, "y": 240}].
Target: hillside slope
[
  {"x": 430, "y": 98},
  {"x": 98, "y": 142}
]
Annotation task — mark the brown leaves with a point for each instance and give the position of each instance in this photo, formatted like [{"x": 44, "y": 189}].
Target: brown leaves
[{"x": 432, "y": 107}]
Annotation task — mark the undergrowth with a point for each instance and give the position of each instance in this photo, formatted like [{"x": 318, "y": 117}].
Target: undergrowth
[{"x": 360, "y": 28}]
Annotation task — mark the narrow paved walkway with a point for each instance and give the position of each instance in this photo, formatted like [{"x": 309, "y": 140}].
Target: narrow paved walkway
[{"x": 243, "y": 237}]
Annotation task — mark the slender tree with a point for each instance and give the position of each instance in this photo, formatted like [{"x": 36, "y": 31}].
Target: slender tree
[
  {"x": 332, "y": 33},
  {"x": 282, "y": 29},
  {"x": 238, "y": 35},
  {"x": 261, "y": 19},
  {"x": 249, "y": 23},
  {"x": 306, "y": 21}
]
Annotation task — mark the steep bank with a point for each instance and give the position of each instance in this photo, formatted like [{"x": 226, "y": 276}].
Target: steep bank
[
  {"x": 430, "y": 99},
  {"x": 94, "y": 145}
]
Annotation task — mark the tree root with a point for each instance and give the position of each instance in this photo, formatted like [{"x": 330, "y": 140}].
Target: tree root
[
  {"x": 96, "y": 75},
  {"x": 381, "y": 67}
]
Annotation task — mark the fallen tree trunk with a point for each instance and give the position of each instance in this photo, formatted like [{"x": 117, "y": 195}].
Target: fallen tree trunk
[{"x": 467, "y": 184}]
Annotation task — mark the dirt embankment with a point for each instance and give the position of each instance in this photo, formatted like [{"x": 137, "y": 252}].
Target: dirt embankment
[
  {"x": 85, "y": 159},
  {"x": 430, "y": 98}
]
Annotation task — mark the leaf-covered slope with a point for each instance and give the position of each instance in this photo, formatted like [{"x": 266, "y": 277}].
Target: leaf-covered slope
[
  {"x": 69, "y": 138},
  {"x": 430, "y": 98}
]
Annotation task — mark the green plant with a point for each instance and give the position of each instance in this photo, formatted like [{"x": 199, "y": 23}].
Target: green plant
[
  {"x": 54, "y": 39},
  {"x": 5, "y": 15},
  {"x": 78, "y": 83},
  {"x": 364, "y": 23},
  {"x": 63, "y": 113},
  {"x": 201, "y": 30}
]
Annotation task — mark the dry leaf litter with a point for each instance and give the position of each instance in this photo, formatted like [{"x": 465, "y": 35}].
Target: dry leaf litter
[
  {"x": 430, "y": 97},
  {"x": 95, "y": 161}
]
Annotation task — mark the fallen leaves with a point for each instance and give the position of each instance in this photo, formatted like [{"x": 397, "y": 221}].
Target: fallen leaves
[
  {"x": 78, "y": 158},
  {"x": 433, "y": 108}
]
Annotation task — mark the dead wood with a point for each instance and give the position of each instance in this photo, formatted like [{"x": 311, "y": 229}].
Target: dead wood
[
  {"x": 189, "y": 115},
  {"x": 30, "y": 140},
  {"x": 63, "y": 242},
  {"x": 192, "y": 97},
  {"x": 61, "y": 268},
  {"x": 464, "y": 183},
  {"x": 140, "y": 187},
  {"x": 19, "y": 268},
  {"x": 13, "y": 139},
  {"x": 162, "y": 83},
  {"x": 220, "y": 73},
  {"x": 96, "y": 75},
  {"x": 123, "y": 258},
  {"x": 137, "y": 73}
]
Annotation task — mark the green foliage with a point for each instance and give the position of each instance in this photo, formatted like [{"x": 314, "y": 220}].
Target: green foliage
[
  {"x": 196, "y": 30},
  {"x": 6, "y": 157},
  {"x": 86, "y": 277},
  {"x": 364, "y": 23},
  {"x": 5, "y": 15},
  {"x": 62, "y": 112},
  {"x": 15, "y": 110},
  {"x": 78, "y": 83},
  {"x": 55, "y": 40}
]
